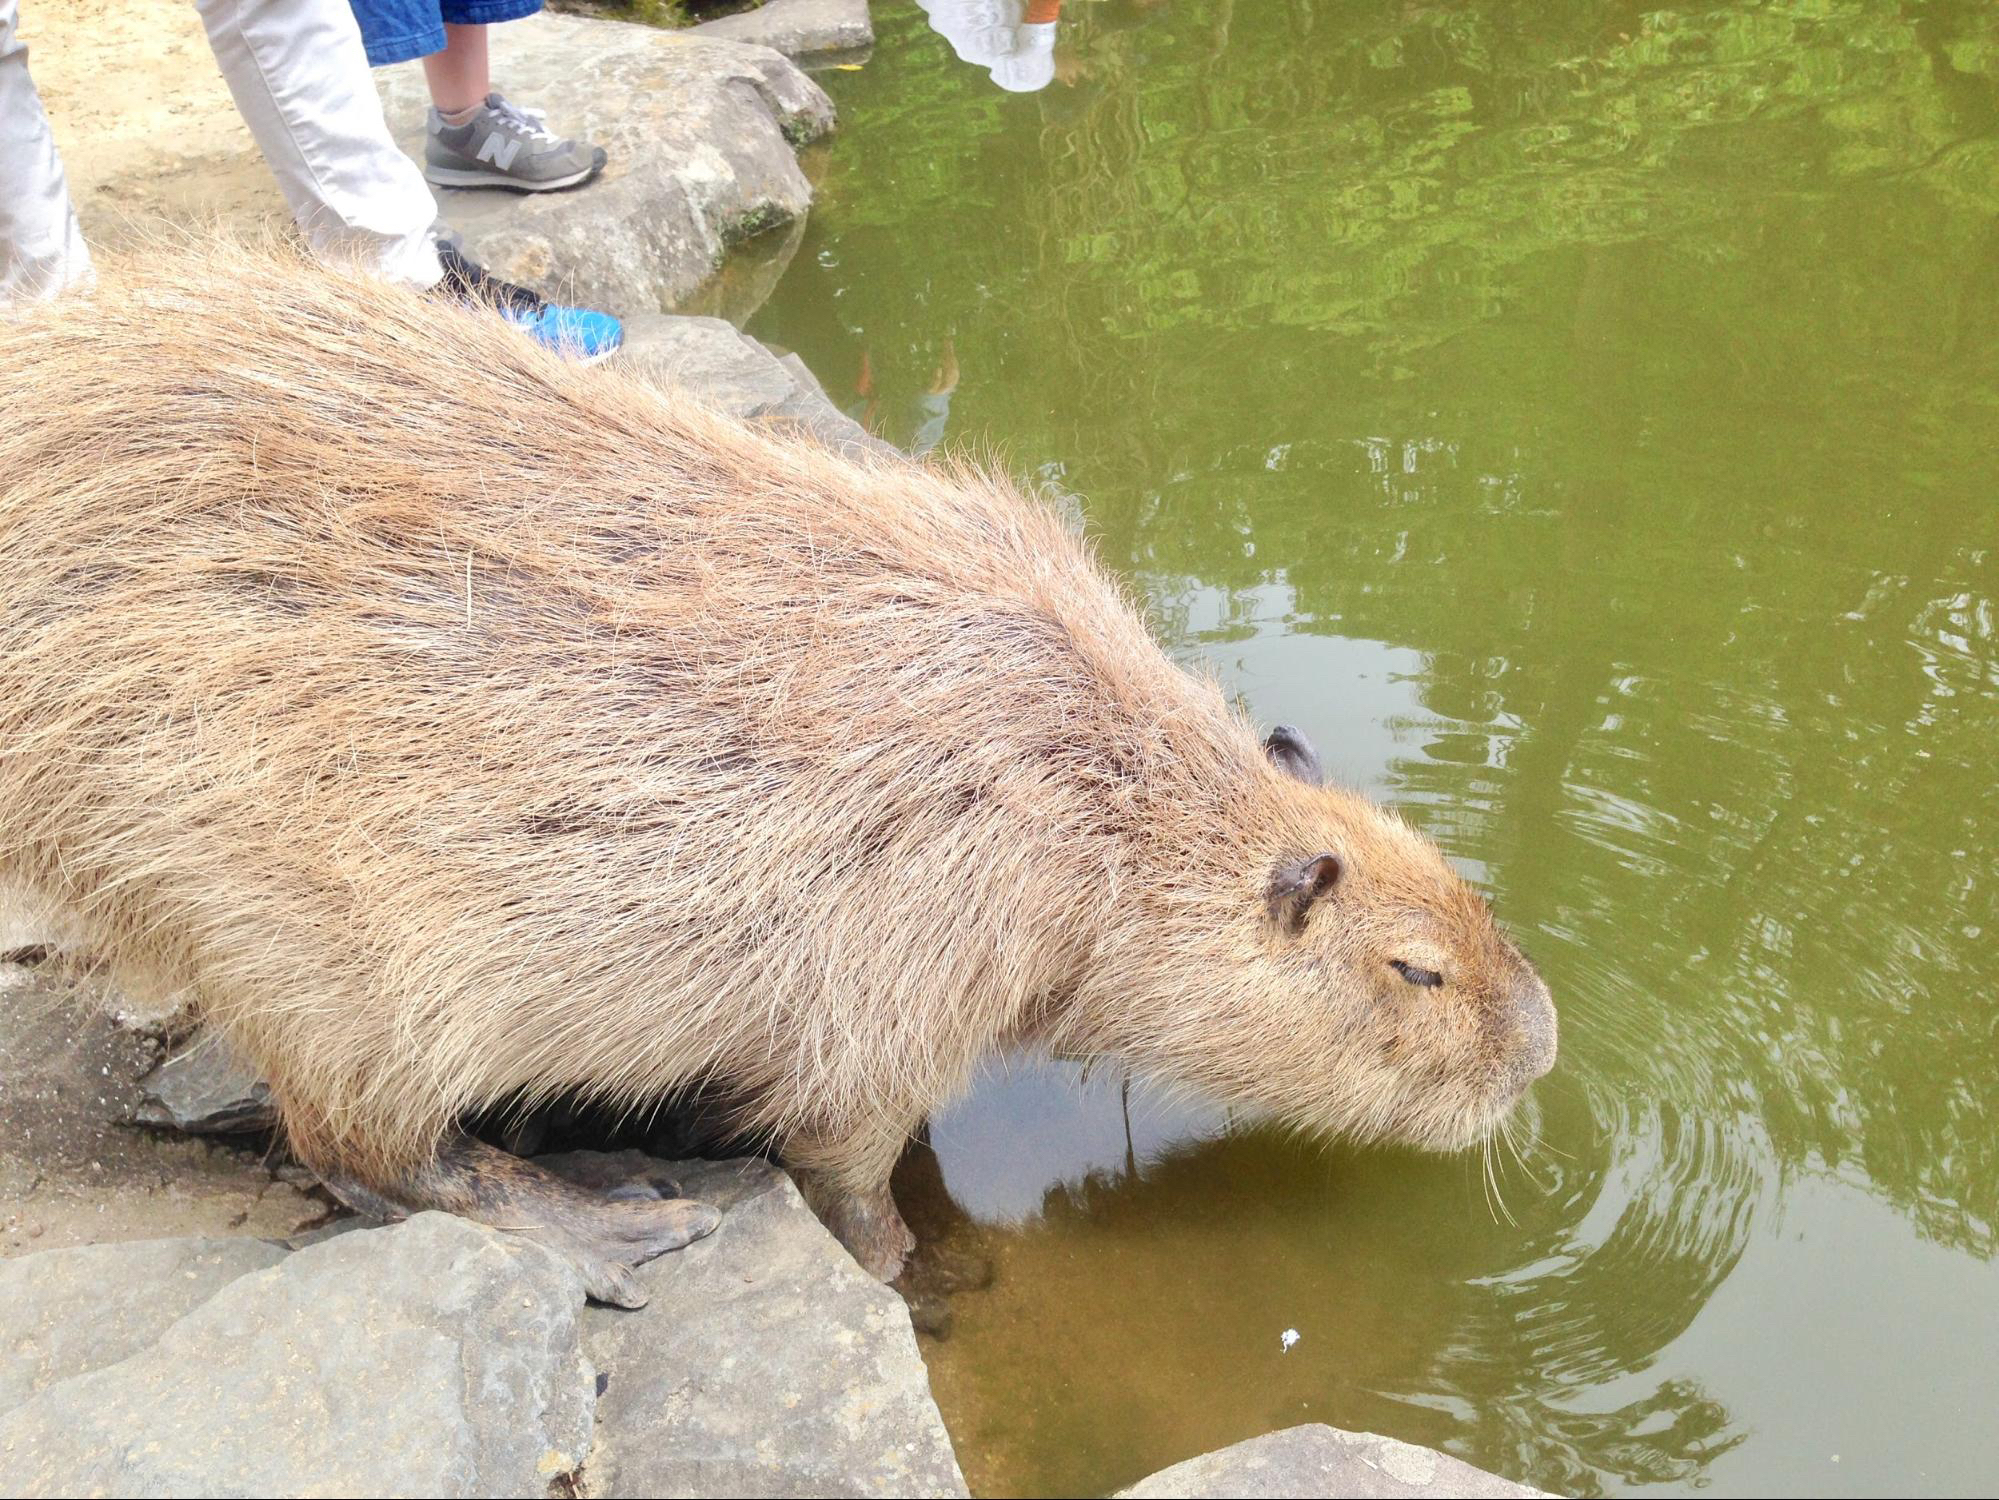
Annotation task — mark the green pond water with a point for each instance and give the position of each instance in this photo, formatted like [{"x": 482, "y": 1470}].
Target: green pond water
[{"x": 1582, "y": 419}]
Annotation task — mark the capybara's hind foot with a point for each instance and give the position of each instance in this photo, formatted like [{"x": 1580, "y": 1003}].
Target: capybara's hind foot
[
  {"x": 623, "y": 1234},
  {"x": 605, "y": 1229}
]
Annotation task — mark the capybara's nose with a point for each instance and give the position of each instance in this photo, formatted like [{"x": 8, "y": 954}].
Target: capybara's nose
[{"x": 1534, "y": 1014}]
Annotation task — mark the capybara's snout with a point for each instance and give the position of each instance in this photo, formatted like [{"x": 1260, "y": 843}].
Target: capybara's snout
[{"x": 1534, "y": 1022}]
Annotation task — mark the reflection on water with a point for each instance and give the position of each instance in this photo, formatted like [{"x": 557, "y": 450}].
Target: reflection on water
[
  {"x": 1013, "y": 40},
  {"x": 1583, "y": 419}
]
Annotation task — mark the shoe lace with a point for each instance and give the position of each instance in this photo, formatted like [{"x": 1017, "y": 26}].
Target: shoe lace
[
  {"x": 532, "y": 123},
  {"x": 469, "y": 281}
]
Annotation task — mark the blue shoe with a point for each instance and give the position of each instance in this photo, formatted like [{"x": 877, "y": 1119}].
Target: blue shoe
[{"x": 577, "y": 333}]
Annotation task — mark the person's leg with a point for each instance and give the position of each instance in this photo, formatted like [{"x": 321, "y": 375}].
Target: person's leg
[
  {"x": 300, "y": 77},
  {"x": 476, "y": 138},
  {"x": 461, "y": 76},
  {"x": 299, "y": 73},
  {"x": 41, "y": 248}
]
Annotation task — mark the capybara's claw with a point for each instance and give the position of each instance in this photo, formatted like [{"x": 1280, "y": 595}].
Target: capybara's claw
[
  {"x": 615, "y": 1174},
  {"x": 644, "y": 1191},
  {"x": 608, "y": 1282},
  {"x": 884, "y": 1256}
]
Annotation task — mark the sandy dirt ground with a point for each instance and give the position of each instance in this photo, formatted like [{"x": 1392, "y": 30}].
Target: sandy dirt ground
[
  {"x": 72, "y": 1172},
  {"x": 142, "y": 118}
]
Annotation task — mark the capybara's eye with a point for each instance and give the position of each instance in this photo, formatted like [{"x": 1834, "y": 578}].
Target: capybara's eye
[{"x": 1429, "y": 979}]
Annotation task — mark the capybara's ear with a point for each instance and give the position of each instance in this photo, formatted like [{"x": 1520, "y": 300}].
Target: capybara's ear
[
  {"x": 1294, "y": 886},
  {"x": 1289, "y": 750}
]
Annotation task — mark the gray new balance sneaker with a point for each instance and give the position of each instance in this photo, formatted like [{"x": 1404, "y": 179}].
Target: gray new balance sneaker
[{"x": 504, "y": 145}]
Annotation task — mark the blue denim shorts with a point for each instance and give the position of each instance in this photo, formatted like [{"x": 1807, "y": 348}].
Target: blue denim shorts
[{"x": 396, "y": 30}]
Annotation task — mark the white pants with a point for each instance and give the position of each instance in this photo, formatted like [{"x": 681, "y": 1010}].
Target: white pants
[{"x": 298, "y": 74}]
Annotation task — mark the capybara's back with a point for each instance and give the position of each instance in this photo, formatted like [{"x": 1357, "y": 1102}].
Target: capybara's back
[{"x": 458, "y": 726}]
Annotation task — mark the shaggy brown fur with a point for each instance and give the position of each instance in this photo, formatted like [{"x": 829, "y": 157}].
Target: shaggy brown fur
[{"x": 459, "y": 726}]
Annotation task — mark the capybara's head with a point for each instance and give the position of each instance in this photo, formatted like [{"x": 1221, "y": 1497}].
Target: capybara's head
[
  {"x": 1358, "y": 988},
  {"x": 1416, "y": 1018}
]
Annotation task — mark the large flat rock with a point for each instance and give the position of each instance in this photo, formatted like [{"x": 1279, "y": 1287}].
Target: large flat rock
[
  {"x": 1318, "y": 1460},
  {"x": 67, "y": 1312},
  {"x": 700, "y": 133},
  {"x": 798, "y": 28},
  {"x": 434, "y": 1357},
  {"x": 767, "y": 1363},
  {"x": 708, "y": 358},
  {"x": 714, "y": 362}
]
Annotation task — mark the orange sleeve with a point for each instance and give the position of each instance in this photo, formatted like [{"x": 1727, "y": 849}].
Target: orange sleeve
[{"x": 1039, "y": 11}]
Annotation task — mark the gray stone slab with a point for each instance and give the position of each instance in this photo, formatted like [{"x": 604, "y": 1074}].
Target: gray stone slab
[
  {"x": 700, "y": 132},
  {"x": 801, "y": 376},
  {"x": 768, "y": 1363},
  {"x": 707, "y": 357},
  {"x": 1317, "y": 1460},
  {"x": 798, "y": 28},
  {"x": 433, "y": 1357},
  {"x": 67, "y": 1312},
  {"x": 725, "y": 368},
  {"x": 206, "y": 1088}
]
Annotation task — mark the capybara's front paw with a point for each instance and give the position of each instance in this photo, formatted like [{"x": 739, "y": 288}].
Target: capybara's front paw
[
  {"x": 870, "y": 1228},
  {"x": 883, "y": 1247}
]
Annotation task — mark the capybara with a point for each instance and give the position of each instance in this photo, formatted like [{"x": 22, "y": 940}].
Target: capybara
[{"x": 457, "y": 728}]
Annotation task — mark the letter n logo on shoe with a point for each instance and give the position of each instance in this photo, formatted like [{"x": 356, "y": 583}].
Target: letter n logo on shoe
[{"x": 499, "y": 150}]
